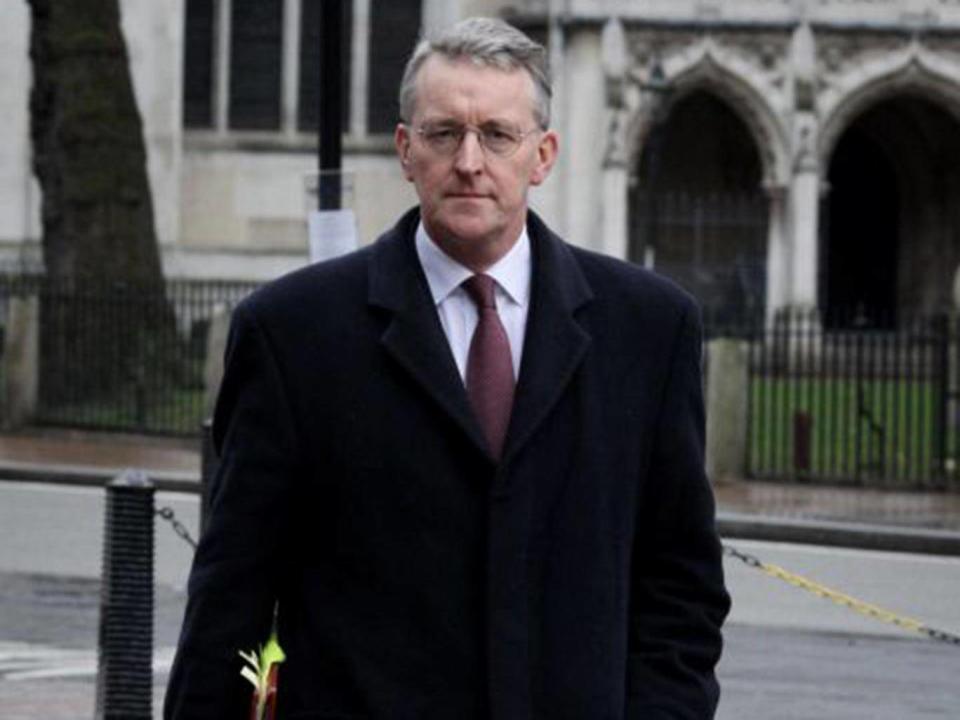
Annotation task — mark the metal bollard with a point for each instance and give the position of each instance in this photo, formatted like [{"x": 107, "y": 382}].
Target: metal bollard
[{"x": 125, "y": 671}]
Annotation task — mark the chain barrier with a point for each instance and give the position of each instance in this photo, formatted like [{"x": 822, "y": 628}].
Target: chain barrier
[
  {"x": 859, "y": 606},
  {"x": 167, "y": 513}
]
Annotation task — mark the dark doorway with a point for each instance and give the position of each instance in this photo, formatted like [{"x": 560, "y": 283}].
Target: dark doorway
[
  {"x": 697, "y": 211},
  {"x": 890, "y": 227},
  {"x": 862, "y": 229}
]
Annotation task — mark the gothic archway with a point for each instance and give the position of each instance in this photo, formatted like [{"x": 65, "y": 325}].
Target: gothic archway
[
  {"x": 891, "y": 225},
  {"x": 697, "y": 210}
]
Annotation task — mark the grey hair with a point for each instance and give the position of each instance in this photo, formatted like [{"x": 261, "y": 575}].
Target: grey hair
[{"x": 486, "y": 42}]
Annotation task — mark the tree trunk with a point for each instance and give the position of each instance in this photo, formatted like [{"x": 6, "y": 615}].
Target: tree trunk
[
  {"x": 88, "y": 149},
  {"x": 104, "y": 316}
]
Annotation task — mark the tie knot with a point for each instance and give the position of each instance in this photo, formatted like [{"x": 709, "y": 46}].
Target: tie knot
[{"x": 480, "y": 289}]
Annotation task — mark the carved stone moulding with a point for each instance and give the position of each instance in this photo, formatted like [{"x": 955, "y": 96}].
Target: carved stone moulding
[
  {"x": 735, "y": 67},
  {"x": 837, "y": 50}
]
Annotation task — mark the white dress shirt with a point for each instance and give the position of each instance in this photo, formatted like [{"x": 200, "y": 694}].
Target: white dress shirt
[{"x": 458, "y": 313}]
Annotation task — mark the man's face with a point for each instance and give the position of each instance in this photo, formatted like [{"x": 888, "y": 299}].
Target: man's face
[{"x": 473, "y": 202}]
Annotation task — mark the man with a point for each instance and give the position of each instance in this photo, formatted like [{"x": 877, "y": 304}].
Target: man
[{"x": 468, "y": 501}]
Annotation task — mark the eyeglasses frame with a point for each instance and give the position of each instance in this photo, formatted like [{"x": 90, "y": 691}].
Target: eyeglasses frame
[{"x": 478, "y": 131}]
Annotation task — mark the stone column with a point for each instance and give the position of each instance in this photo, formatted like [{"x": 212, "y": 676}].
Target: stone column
[
  {"x": 778, "y": 253},
  {"x": 804, "y": 219},
  {"x": 582, "y": 150},
  {"x": 360, "y": 70},
  {"x": 213, "y": 365},
  {"x": 614, "y": 189},
  {"x": 614, "y": 241},
  {"x": 804, "y": 200},
  {"x": 21, "y": 362},
  {"x": 727, "y": 388},
  {"x": 550, "y": 198},
  {"x": 19, "y": 215},
  {"x": 290, "y": 67}
]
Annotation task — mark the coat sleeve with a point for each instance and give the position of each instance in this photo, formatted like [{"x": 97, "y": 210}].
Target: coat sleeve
[
  {"x": 233, "y": 582},
  {"x": 678, "y": 599}
]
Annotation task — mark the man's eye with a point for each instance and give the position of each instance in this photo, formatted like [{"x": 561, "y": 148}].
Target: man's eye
[
  {"x": 498, "y": 134},
  {"x": 442, "y": 134}
]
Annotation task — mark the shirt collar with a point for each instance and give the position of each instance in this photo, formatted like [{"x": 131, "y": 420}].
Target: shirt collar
[{"x": 445, "y": 275}]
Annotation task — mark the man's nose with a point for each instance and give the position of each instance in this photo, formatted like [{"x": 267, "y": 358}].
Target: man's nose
[{"x": 470, "y": 154}]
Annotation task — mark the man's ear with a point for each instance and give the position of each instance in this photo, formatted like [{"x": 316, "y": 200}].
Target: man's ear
[
  {"x": 401, "y": 140},
  {"x": 547, "y": 150}
]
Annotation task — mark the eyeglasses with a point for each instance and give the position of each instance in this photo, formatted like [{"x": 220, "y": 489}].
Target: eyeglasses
[{"x": 501, "y": 140}]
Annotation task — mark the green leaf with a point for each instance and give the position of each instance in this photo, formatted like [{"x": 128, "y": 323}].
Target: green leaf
[{"x": 270, "y": 655}]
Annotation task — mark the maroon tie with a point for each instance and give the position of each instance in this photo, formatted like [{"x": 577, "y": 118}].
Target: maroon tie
[{"x": 489, "y": 365}]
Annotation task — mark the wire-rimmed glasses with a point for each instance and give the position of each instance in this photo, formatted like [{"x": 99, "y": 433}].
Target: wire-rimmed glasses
[{"x": 497, "y": 138}]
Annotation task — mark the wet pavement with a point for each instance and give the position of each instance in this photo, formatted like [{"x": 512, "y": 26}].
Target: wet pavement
[
  {"x": 105, "y": 452},
  {"x": 935, "y": 510},
  {"x": 48, "y": 645}
]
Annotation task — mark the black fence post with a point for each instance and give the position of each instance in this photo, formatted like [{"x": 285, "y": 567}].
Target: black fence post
[
  {"x": 125, "y": 671},
  {"x": 941, "y": 396},
  {"x": 208, "y": 469},
  {"x": 802, "y": 441}
]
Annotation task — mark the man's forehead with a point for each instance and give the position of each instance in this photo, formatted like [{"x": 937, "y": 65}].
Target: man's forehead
[
  {"x": 460, "y": 64},
  {"x": 440, "y": 74},
  {"x": 440, "y": 59}
]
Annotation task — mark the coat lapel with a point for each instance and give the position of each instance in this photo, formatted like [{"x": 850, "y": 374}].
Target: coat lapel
[
  {"x": 555, "y": 343},
  {"x": 554, "y": 346},
  {"x": 413, "y": 335}
]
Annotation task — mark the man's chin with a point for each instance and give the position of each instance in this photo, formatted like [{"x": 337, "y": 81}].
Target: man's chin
[
  {"x": 468, "y": 204},
  {"x": 468, "y": 224},
  {"x": 466, "y": 233}
]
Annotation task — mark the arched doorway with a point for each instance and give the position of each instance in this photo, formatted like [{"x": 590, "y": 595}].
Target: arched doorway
[
  {"x": 890, "y": 232},
  {"x": 697, "y": 211},
  {"x": 862, "y": 223}
]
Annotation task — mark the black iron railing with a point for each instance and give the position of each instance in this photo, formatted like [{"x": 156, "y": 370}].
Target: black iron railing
[
  {"x": 875, "y": 405},
  {"x": 119, "y": 356},
  {"x": 858, "y": 406},
  {"x": 712, "y": 244}
]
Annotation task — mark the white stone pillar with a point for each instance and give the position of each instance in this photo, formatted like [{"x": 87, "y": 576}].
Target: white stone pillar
[
  {"x": 805, "y": 202},
  {"x": 19, "y": 215},
  {"x": 549, "y": 199},
  {"x": 804, "y": 218},
  {"x": 586, "y": 120},
  {"x": 290, "y": 67},
  {"x": 614, "y": 241},
  {"x": 221, "y": 63},
  {"x": 217, "y": 334},
  {"x": 804, "y": 199},
  {"x": 20, "y": 362},
  {"x": 615, "y": 158},
  {"x": 728, "y": 384},
  {"x": 778, "y": 253},
  {"x": 360, "y": 67}
]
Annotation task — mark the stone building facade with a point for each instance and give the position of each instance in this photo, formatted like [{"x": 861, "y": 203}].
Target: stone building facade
[
  {"x": 771, "y": 153},
  {"x": 765, "y": 153}
]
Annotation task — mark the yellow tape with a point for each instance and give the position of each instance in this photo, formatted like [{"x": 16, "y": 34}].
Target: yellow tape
[
  {"x": 864, "y": 608},
  {"x": 840, "y": 598}
]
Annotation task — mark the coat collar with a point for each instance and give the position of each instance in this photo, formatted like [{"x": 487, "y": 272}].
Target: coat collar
[{"x": 554, "y": 346}]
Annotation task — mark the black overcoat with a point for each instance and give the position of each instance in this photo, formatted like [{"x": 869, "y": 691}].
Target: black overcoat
[{"x": 578, "y": 579}]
